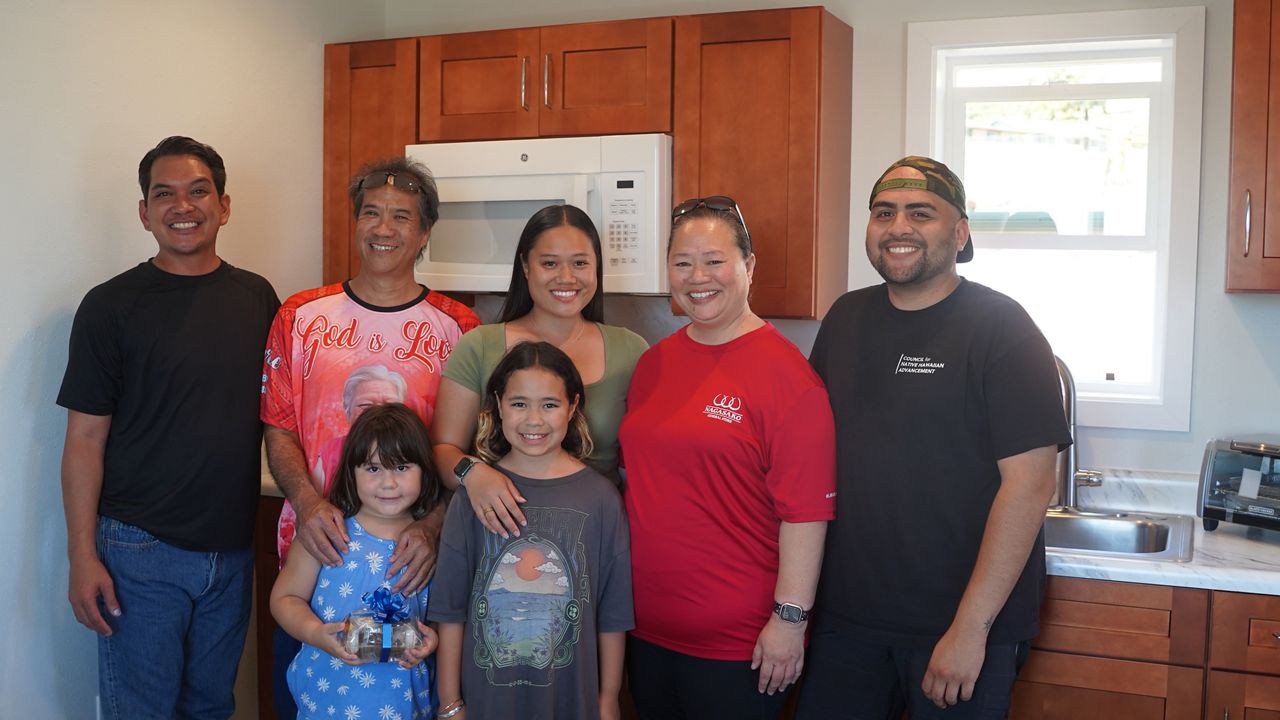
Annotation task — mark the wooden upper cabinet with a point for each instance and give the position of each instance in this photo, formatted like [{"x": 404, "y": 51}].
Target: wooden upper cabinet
[
  {"x": 1253, "y": 243},
  {"x": 370, "y": 112},
  {"x": 608, "y": 78},
  {"x": 756, "y": 95},
  {"x": 479, "y": 85},
  {"x": 603, "y": 78}
]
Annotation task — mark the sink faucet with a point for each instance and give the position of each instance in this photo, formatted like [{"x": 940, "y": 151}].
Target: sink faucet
[{"x": 1069, "y": 476}]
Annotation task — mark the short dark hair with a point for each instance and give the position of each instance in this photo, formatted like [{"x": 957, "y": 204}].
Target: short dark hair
[
  {"x": 182, "y": 145},
  {"x": 491, "y": 444},
  {"x": 428, "y": 198},
  {"x": 519, "y": 302},
  {"x": 741, "y": 237},
  {"x": 400, "y": 438}
]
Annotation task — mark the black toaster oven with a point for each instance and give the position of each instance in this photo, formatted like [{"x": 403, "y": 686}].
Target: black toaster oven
[{"x": 1240, "y": 482}]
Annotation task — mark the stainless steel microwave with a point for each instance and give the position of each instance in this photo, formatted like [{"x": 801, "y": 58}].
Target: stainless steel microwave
[
  {"x": 488, "y": 190},
  {"x": 1240, "y": 482}
]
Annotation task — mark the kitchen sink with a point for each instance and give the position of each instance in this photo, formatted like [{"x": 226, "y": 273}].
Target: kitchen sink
[{"x": 1120, "y": 534}]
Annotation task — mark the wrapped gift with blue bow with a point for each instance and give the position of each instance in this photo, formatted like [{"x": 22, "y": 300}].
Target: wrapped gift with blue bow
[{"x": 384, "y": 629}]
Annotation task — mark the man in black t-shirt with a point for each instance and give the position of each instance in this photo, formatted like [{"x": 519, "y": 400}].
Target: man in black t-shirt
[
  {"x": 160, "y": 470},
  {"x": 948, "y": 421}
]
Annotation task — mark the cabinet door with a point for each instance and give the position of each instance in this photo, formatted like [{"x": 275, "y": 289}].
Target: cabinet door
[
  {"x": 1235, "y": 696},
  {"x": 762, "y": 114},
  {"x": 605, "y": 78},
  {"x": 266, "y": 565},
  {"x": 1246, "y": 633},
  {"x": 370, "y": 112},
  {"x": 1124, "y": 620},
  {"x": 1056, "y": 686},
  {"x": 479, "y": 86},
  {"x": 1253, "y": 246}
]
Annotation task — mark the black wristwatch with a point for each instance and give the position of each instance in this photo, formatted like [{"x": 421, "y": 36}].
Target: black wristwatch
[
  {"x": 463, "y": 467},
  {"x": 790, "y": 613}
]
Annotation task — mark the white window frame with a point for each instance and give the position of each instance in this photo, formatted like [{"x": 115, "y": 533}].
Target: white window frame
[{"x": 1175, "y": 223}]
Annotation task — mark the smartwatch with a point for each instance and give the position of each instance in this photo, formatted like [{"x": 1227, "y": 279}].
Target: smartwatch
[
  {"x": 463, "y": 467},
  {"x": 790, "y": 613}
]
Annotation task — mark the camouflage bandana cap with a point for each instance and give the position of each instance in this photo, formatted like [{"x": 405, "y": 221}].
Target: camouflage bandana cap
[{"x": 938, "y": 179}]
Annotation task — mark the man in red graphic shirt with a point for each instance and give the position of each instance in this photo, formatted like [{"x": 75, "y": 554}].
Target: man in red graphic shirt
[{"x": 382, "y": 316}]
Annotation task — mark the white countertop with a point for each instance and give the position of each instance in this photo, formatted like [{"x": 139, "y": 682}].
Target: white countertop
[{"x": 1233, "y": 557}]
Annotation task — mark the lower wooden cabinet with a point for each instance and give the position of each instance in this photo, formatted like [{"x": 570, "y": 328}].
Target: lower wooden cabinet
[
  {"x": 1237, "y": 696},
  {"x": 1132, "y": 651},
  {"x": 1115, "y": 650},
  {"x": 1058, "y": 686},
  {"x": 1246, "y": 633},
  {"x": 1127, "y": 621}
]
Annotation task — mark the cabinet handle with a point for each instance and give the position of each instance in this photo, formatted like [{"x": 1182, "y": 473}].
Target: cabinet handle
[
  {"x": 1248, "y": 218},
  {"x": 546, "y": 81},
  {"x": 524, "y": 74}
]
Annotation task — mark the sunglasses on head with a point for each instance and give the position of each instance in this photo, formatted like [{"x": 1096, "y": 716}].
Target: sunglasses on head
[
  {"x": 378, "y": 179},
  {"x": 714, "y": 202}
]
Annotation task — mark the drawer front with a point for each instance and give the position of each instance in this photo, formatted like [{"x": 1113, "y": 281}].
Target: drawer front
[
  {"x": 1125, "y": 621},
  {"x": 1246, "y": 633},
  {"x": 1057, "y": 686}
]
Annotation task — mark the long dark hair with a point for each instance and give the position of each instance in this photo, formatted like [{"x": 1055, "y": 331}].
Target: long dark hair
[
  {"x": 519, "y": 302},
  {"x": 400, "y": 438},
  {"x": 491, "y": 444}
]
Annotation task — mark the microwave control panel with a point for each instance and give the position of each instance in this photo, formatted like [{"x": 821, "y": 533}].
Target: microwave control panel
[{"x": 627, "y": 257}]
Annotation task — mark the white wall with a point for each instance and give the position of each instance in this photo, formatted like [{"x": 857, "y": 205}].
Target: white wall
[
  {"x": 1237, "y": 345},
  {"x": 87, "y": 87}
]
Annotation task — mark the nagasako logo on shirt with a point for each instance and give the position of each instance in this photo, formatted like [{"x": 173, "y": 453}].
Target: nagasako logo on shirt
[{"x": 725, "y": 408}]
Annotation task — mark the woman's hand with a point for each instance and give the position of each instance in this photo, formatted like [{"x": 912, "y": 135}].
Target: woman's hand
[
  {"x": 325, "y": 637},
  {"x": 430, "y": 641},
  {"x": 779, "y": 654},
  {"x": 495, "y": 500}
]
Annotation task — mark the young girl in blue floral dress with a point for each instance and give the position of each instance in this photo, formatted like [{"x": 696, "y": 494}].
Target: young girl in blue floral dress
[{"x": 385, "y": 481}]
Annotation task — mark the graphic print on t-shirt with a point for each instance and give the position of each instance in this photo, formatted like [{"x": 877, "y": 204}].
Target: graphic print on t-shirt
[
  {"x": 725, "y": 408},
  {"x": 531, "y": 596},
  {"x": 918, "y": 364}
]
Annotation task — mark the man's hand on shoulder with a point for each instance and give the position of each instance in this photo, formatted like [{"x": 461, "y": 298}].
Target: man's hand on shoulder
[
  {"x": 322, "y": 530},
  {"x": 416, "y": 550}
]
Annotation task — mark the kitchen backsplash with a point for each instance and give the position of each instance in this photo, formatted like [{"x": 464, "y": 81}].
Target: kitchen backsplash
[{"x": 1142, "y": 490}]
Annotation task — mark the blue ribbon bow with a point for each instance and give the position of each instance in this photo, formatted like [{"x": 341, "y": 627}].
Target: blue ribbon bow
[{"x": 387, "y": 607}]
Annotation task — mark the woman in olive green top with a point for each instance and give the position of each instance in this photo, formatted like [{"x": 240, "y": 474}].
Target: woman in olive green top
[{"x": 555, "y": 296}]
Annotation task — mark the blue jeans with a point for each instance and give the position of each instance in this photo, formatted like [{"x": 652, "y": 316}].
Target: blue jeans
[{"x": 174, "y": 650}]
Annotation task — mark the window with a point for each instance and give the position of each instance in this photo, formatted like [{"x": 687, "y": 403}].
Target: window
[{"x": 1078, "y": 141}]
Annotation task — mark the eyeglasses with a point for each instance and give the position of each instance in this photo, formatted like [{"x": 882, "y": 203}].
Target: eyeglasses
[
  {"x": 378, "y": 179},
  {"x": 722, "y": 203}
]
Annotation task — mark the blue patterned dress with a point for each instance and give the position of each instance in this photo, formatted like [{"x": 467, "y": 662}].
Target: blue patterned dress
[{"x": 325, "y": 687}]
